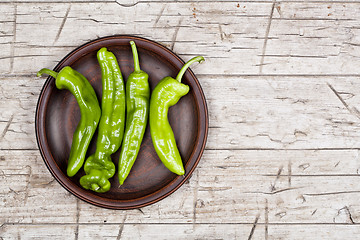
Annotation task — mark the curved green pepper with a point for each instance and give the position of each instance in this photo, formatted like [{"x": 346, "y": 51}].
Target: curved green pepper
[
  {"x": 137, "y": 103},
  {"x": 90, "y": 111},
  {"x": 99, "y": 166},
  {"x": 166, "y": 94}
]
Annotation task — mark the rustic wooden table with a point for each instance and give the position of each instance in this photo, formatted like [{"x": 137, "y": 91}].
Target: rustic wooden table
[{"x": 282, "y": 82}]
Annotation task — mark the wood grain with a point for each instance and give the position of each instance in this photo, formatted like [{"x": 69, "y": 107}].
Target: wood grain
[
  {"x": 246, "y": 112},
  {"x": 231, "y": 183},
  {"x": 296, "y": 42},
  {"x": 281, "y": 79}
]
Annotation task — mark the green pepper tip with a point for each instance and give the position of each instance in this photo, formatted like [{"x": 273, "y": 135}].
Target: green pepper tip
[{"x": 103, "y": 49}]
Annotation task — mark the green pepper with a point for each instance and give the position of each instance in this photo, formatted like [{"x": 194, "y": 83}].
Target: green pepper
[
  {"x": 99, "y": 166},
  {"x": 90, "y": 111},
  {"x": 166, "y": 94},
  {"x": 137, "y": 104}
]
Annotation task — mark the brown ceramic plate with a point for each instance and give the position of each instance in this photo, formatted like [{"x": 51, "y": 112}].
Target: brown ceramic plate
[{"x": 149, "y": 181}]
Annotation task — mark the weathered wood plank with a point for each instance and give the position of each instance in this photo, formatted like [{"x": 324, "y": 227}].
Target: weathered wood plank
[
  {"x": 287, "y": 195},
  {"x": 312, "y": 232},
  {"x": 176, "y": 24},
  {"x": 133, "y": 231},
  {"x": 180, "y": 231},
  {"x": 276, "y": 112},
  {"x": 25, "y": 190},
  {"x": 227, "y": 187},
  {"x": 245, "y": 112},
  {"x": 172, "y": 231},
  {"x": 313, "y": 38},
  {"x": 295, "y": 42},
  {"x": 54, "y": 231},
  {"x": 17, "y": 117},
  {"x": 7, "y": 24}
]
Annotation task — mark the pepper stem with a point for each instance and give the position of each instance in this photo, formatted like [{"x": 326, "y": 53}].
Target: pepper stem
[
  {"x": 136, "y": 57},
  {"x": 95, "y": 187},
  {"x": 48, "y": 72},
  {"x": 191, "y": 61}
]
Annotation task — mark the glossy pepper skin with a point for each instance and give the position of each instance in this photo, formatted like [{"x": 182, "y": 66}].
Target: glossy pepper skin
[
  {"x": 166, "y": 94},
  {"x": 99, "y": 166},
  {"x": 137, "y": 104},
  {"x": 90, "y": 111}
]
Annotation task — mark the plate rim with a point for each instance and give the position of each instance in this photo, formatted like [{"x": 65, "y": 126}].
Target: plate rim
[{"x": 203, "y": 118}]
